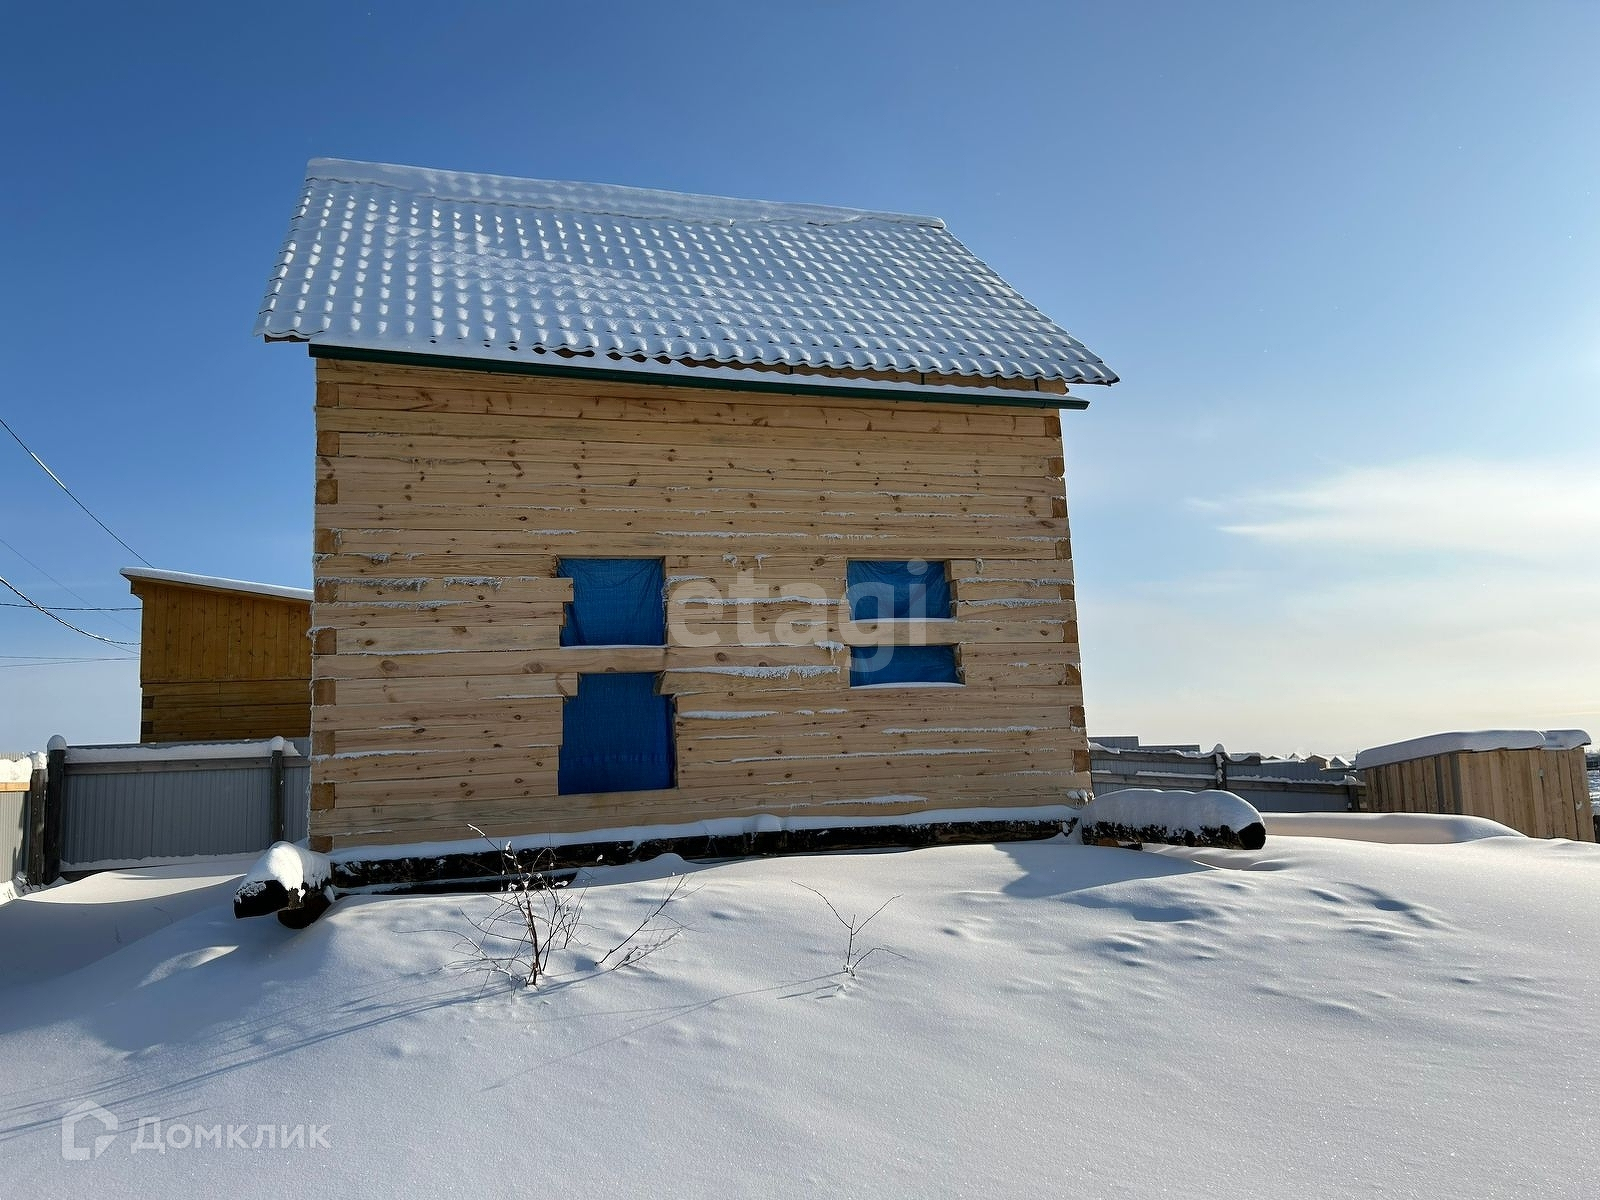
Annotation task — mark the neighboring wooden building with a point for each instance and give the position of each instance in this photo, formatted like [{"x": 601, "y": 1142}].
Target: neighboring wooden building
[
  {"x": 1534, "y": 782},
  {"x": 220, "y": 658},
  {"x": 596, "y": 467}
]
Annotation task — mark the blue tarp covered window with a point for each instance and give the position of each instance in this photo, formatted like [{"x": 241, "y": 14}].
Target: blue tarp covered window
[
  {"x": 903, "y": 664},
  {"x": 881, "y": 591},
  {"x": 616, "y": 736},
  {"x": 615, "y": 602}
]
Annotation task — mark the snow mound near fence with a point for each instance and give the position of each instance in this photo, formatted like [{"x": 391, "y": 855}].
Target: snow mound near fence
[{"x": 1395, "y": 829}]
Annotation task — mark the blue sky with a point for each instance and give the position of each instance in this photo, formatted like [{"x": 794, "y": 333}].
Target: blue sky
[{"x": 1345, "y": 258}]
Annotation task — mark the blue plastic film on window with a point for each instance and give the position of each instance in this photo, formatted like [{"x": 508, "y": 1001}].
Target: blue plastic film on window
[
  {"x": 903, "y": 664},
  {"x": 616, "y": 736},
  {"x": 880, "y": 591},
  {"x": 615, "y": 602}
]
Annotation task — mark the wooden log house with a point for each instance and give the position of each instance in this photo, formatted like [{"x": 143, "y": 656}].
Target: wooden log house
[
  {"x": 641, "y": 509},
  {"x": 221, "y": 659}
]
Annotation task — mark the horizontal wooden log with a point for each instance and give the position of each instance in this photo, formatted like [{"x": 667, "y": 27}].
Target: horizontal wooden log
[
  {"x": 450, "y": 690},
  {"x": 418, "y": 614},
  {"x": 528, "y": 780},
  {"x": 383, "y": 527},
  {"x": 398, "y": 571},
  {"x": 642, "y": 436},
  {"x": 503, "y": 556},
  {"x": 500, "y": 734},
  {"x": 433, "y": 589},
  {"x": 746, "y": 461},
  {"x": 493, "y": 470},
  {"x": 362, "y": 483},
  {"x": 647, "y": 403},
  {"x": 452, "y": 765},
  {"x": 519, "y": 637},
  {"x": 947, "y": 632}
]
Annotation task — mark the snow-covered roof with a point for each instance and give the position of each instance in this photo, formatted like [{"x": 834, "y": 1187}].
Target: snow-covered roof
[
  {"x": 418, "y": 261},
  {"x": 1471, "y": 742},
  {"x": 217, "y": 584}
]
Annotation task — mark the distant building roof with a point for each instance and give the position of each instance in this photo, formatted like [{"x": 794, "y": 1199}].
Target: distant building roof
[
  {"x": 217, "y": 584},
  {"x": 418, "y": 261}
]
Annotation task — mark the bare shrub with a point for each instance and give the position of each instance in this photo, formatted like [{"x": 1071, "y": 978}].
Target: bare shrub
[
  {"x": 541, "y": 912},
  {"x": 854, "y": 956}
]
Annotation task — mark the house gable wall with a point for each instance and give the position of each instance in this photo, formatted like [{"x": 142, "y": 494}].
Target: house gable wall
[{"x": 445, "y": 499}]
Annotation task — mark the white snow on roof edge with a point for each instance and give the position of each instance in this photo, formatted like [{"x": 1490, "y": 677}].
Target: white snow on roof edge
[
  {"x": 608, "y": 199},
  {"x": 1470, "y": 742},
  {"x": 411, "y": 260},
  {"x": 217, "y": 583}
]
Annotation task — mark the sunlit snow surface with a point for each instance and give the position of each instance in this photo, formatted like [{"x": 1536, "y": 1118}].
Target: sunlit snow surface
[{"x": 1319, "y": 1018}]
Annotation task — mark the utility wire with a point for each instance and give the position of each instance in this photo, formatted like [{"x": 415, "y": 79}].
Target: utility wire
[
  {"x": 61, "y": 662},
  {"x": 4, "y": 582},
  {"x": 69, "y": 492},
  {"x": 62, "y": 586},
  {"x": 58, "y": 658},
  {"x": 65, "y": 608}
]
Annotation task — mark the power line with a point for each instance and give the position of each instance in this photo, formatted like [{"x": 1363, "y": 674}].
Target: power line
[
  {"x": 66, "y": 608},
  {"x": 69, "y": 492},
  {"x": 34, "y": 604},
  {"x": 60, "y": 658},
  {"x": 62, "y": 662},
  {"x": 59, "y": 584}
]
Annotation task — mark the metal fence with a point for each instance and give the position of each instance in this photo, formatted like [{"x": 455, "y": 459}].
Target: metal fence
[
  {"x": 19, "y": 774},
  {"x": 111, "y": 806},
  {"x": 1271, "y": 784}
]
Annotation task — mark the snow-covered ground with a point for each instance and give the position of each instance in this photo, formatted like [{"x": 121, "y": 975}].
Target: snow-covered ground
[{"x": 1318, "y": 1018}]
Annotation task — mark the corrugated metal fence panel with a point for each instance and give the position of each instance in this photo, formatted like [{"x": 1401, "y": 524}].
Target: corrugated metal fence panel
[
  {"x": 141, "y": 809},
  {"x": 13, "y": 834},
  {"x": 1275, "y": 785},
  {"x": 297, "y": 799},
  {"x": 125, "y": 817}
]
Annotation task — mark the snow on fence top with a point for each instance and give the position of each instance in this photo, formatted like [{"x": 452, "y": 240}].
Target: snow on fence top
[
  {"x": 19, "y": 768},
  {"x": 1471, "y": 742},
  {"x": 158, "y": 752},
  {"x": 216, "y": 583},
  {"x": 407, "y": 259}
]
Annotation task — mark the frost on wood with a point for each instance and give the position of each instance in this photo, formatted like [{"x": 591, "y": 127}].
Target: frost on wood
[
  {"x": 1177, "y": 818},
  {"x": 288, "y": 880}
]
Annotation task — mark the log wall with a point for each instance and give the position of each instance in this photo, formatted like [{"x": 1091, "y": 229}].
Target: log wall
[
  {"x": 1542, "y": 793},
  {"x": 216, "y": 665},
  {"x": 445, "y": 498}
]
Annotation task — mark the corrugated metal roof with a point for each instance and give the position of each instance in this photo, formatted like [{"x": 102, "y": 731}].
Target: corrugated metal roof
[{"x": 412, "y": 260}]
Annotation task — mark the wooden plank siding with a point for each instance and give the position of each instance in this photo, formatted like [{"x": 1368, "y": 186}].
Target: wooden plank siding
[
  {"x": 216, "y": 664},
  {"x": 445, "y": 499},
  {"x": 1542, "y": 793}
]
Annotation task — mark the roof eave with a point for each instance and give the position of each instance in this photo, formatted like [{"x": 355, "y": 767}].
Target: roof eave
[{"x": 714, "y": 376}]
